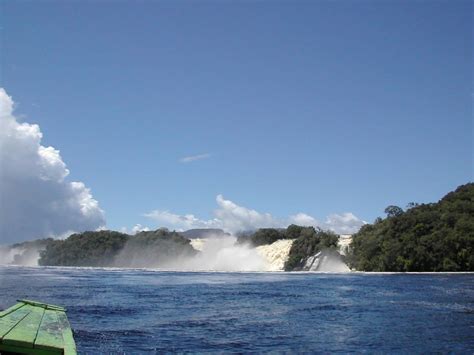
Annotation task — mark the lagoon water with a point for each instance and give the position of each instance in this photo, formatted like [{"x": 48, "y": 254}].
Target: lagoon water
[{"x": 149, "y": 311}]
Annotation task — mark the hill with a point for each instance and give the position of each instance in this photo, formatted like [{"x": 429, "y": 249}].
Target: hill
[
  {"x": 426, "y": 237},
  {"x": 110, "y": 248}
]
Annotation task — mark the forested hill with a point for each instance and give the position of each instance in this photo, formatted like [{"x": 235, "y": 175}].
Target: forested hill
[
  {"x": 427, "y": 237},
  {"x": 109, "y": 248}
]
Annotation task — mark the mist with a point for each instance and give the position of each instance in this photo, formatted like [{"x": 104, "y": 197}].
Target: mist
[
  {"x": 212, "y": 253},
  {"x": 149, "y": 250},
  {"x": 221, "y": 253},
  {"x": 19, "y": 256},
  {"x": 327, "y": 260}
]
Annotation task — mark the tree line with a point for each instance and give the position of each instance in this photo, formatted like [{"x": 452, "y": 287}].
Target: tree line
[
  {"x": 111, "y": 248},
  {"x": 424, "y": 237}
]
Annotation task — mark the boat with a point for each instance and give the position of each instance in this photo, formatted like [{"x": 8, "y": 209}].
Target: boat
[{"x": 36, "y": 328}]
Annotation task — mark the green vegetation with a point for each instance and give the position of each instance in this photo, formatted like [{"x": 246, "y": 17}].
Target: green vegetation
[
  {"x": 84, "y": 249},
  {"x": 154, "y": 248},
  {"x": 270, "y": 235},
  {"x": 109, "y": 248},
  {"x": 309, "y": 242},
  {"x": 426, "y": 237},
  {"x": 267, "y": 236}
]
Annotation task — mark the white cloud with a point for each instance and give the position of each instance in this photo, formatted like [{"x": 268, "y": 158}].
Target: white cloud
[
  {"x": 192, "y": 158},
  {"x": 36, "y": 200},
  {"x": 180, "y": 222},
  {"x": 135, "y": 229},
  {"x": 234, "y": 218},
  {"x": 139, "y": 228},
  {"x": 346, "y": 223},
  {"x": 302, "y": 219}
]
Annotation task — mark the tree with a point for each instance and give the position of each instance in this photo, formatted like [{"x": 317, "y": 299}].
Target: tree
[
  {"x": 293, "y": 231},
  {"x": 378, "y": 220},
  {"x": 412, "y": 204},
  {"x": 393, "y": 211},
  {"x": 267, "y": 236}
]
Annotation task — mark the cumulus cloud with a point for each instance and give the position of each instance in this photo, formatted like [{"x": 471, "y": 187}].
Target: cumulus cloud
[
  {"x": 192, "y": 158},
  {"x": 345, "y": 223},
  {"x": 36, "y": 200},
  {"x": 180, "y": 222},
  {"x": 137, "y": 228},
  {"x": 234, "y": 218},
  {"x": 302, "y": 219}
]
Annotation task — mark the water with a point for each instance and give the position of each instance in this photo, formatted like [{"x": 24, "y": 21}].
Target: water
[{"x": 139, "y": 311}]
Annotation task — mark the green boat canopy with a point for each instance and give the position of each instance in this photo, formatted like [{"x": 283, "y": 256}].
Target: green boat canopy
[{"x": 31, "y": 327}]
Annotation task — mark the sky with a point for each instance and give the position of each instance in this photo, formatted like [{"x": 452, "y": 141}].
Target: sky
[{"x": 229, "y": 114}]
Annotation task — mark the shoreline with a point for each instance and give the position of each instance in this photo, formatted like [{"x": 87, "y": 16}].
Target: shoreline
[{"x": 118, "y": 269}]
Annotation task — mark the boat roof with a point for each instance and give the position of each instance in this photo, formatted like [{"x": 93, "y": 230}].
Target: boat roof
[{"x": 31, "y": 327}]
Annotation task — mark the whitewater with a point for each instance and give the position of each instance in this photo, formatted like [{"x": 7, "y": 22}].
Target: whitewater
[{"x": 224, "y": 254}]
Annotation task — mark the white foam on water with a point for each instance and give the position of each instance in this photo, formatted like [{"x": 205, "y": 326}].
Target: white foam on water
[{"x": 332, "y": 263}]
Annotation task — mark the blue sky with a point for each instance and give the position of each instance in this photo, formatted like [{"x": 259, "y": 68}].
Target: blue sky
[{"x": 318, "y": 107}]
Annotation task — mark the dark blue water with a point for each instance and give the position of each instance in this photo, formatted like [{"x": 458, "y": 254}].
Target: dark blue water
[{"x": 134, "y": 311}]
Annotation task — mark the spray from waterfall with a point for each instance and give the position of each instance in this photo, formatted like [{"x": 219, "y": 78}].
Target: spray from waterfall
[
  {"x": 19, "y": 256},
  {"x": 222, "y": 254},
  {"x": 328, "y": 260}
]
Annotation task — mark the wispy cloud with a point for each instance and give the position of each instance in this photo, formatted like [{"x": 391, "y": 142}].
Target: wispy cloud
[{"x": 192, "y": 158}]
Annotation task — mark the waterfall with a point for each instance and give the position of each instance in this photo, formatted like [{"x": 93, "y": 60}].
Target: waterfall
[
  {"x": 276, "y": 254},
  {"x": 343, "y": 243},
  {"x": 198, "y": 243},
  {"x": 328, "y": 260},
  {"x": 271, "y": 257}
]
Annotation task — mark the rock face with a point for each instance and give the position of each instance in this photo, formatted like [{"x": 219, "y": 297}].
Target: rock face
[{"x": 328, "y": 260}]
